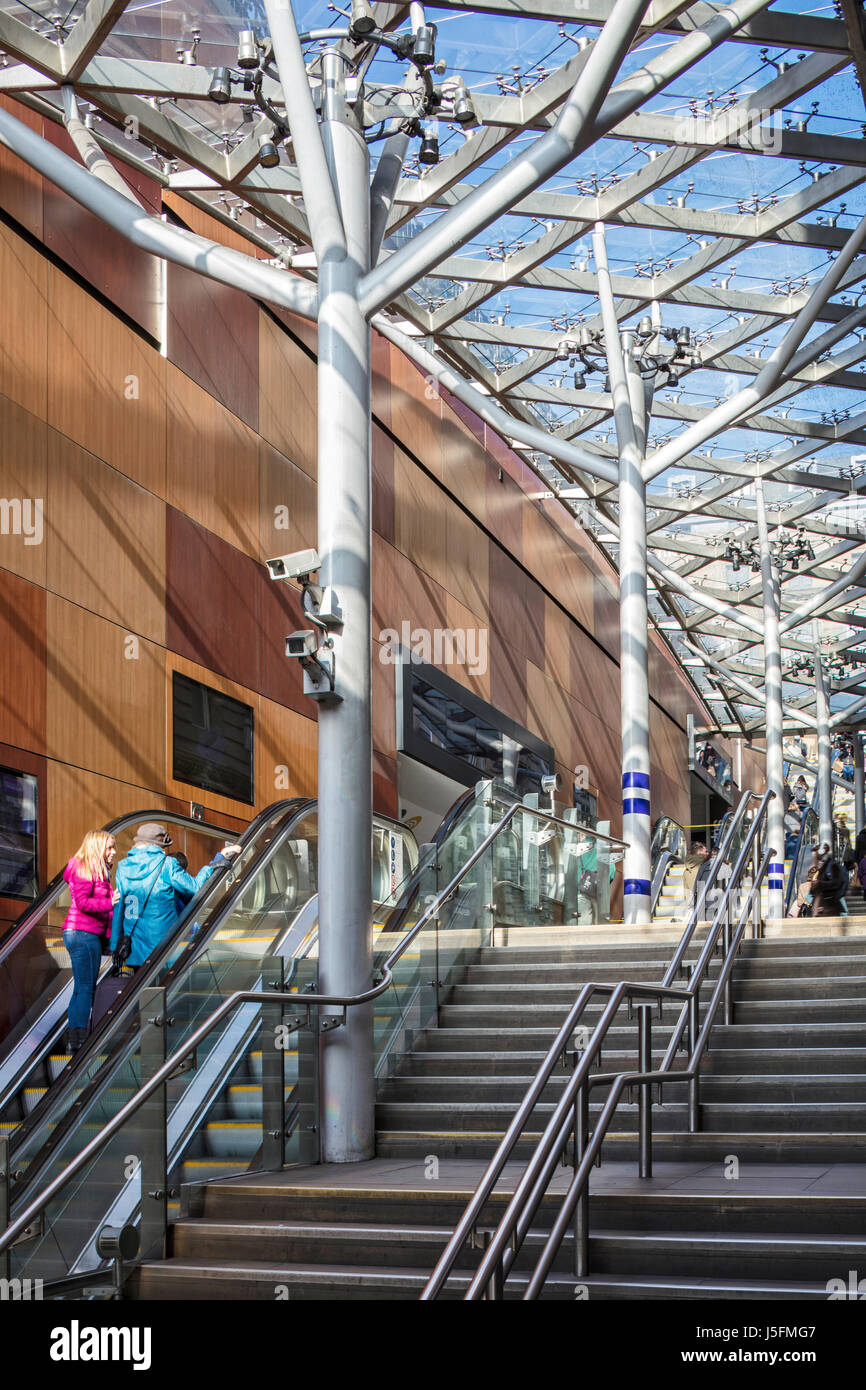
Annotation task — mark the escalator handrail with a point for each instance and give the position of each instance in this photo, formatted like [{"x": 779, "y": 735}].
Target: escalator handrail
[
  {"x": 665, "y": 860},
  {"x": 399, "y": 912},
  {"x": 111, "y": 1024},
  {"x": 232, "y": 1001},
  {"x": 113, "y": 827}
]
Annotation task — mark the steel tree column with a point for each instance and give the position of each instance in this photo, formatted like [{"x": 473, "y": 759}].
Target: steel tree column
[
  {"x": 859, "y": 782},
  {"x": 345, "y": 729},
  {"x": 630, "y": 419},
  {"x": 773, "y": 696},
  {"x": 825, "y": 759}
]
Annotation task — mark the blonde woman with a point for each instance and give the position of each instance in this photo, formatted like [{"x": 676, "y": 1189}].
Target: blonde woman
[{"x": 87, "y": 929}]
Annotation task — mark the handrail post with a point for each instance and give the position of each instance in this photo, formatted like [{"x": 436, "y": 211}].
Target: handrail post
[
  {"x": 756, "y": 889},
  {"x": 581, "y": 1210},
  {"x": 645, "y": 1105},
  {"x": 726, "y": 939},
  {"x": 4, "y": 1203},
  {"x": 694, "y": 1080},
  {"x": 151, "y": 1129},
  {"x": 273, "y": 1070}
]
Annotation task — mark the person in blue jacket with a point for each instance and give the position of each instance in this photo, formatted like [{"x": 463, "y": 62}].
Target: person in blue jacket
[{"x": 153, "y": 889}]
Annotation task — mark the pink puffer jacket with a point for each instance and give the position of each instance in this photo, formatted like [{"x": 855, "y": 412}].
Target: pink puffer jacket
[{"x": 91, "y": 902}]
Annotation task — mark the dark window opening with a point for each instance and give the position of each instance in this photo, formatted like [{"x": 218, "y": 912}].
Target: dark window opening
[
  {"x": 19, "y": 872},
  {"x": 212, "y": 740}
]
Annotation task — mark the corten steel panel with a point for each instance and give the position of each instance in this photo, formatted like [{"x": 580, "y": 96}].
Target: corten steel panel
[
  {"x": 105, "y": 697},
  {"x": 385, "y": 786},
  {"x": 213, "y": 336},
  {"x": 595, "y": 679},
  {"x": 558, "y": 630},
  {"x": 380, "y": 352},
  {"x": 130, "y": 279},
  {"x": 211, "y": 601},
  {"x": 516, "y": 606},
  {"x": 402, "y": 592},
  {"x": 383, "y": 485},
  {"x": 224, "y": 613},
  {"x": 105, "y": 539},
  {"x": 21, "y": 186},
  {"x": 22, "y": 662},
  {"x": 416, "y": 413},
  {"x": 287, "y": 395},
  {"x": 106, "y": 386},
  {"x": 287, "y": 502},
  {"x": 212, "y": 463},
  {"x": 467, "y": 551},
  {"x": 508, "y": 679},
  {"x": 23, "y": 349},
  {"x": 505, "y": 507},
  {"x": 79, "y": 800},
  {"x": 285, "y": 750},
  {"x": 475, "y": 674},
  {"x": 420, "y": 518},
  {"x": 22, "y": 477},
  {"x": 464, "y": 465}
]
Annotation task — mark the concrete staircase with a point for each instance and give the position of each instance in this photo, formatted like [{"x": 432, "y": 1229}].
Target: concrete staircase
[{"x": 784, "y": 1101}]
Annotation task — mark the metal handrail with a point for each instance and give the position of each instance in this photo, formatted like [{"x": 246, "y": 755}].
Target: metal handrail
[
  {"x": 534, "y": 1180},
  {"x": 383, "y": 983},
  {"x": 557, "y": 820},
  {"x": 661, "y": 873}
]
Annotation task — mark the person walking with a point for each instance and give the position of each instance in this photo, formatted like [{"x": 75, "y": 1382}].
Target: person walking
[
  {"x": 152, "y": 890},
  {"x": 692, "y": 865},
  {"x": 87, "y": 926}
]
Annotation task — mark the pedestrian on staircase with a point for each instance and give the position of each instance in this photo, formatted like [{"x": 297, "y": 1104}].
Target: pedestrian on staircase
[
  {"x": 828, "y": 886},
  {"x": 860, "y": 857}
]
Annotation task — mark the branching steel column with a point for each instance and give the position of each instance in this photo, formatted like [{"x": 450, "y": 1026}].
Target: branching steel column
[
  {"x": 345, "y": 730},
  {"x": 825, "y": 760},
  {"x": 859, "y": 782},
  {"x": 773, "y": 696},
  {"x": 629, "y": 416}
]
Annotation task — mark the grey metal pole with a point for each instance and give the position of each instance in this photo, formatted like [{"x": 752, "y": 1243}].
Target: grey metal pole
[
  {"x": 345, "y": 754},
  {"x": 630, "y": 419},
  {"x": 645, "y": 1103},
  {"x": 859, "y": 782},
  {"x": 773, "y": 701},
  {"x": 825, "y": 759}
]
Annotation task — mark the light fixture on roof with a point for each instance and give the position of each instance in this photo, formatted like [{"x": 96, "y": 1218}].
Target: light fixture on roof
[
  {"x": 248, "y": 49},
  {"x": 424, "y": 47},
  {"x": 363, "y": 19},
  {"x": 269, "y": 155},
  {"x": 429, "y": 150},
  {"x": 220, "y": 89},
  {"x": 464, "y": 111}
]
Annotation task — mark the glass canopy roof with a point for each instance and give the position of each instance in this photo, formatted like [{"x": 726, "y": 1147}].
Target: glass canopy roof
[{"x": 726, "y": 196}]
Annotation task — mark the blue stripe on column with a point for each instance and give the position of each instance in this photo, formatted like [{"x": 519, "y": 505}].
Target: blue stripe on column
[
  {"x": 775, "y": 883},
  {"x": 636, "y": 779},
  {"x": 775, "y": 868},
  {"x": 637, "y": 885},
  {"x": 636, "y": 806}
]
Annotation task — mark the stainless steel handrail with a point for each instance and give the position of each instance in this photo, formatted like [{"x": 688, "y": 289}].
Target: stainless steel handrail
[
  {"x": 534, "y": 1180},
  {"x": 21, "y": 1222},
  {"x": 556, "y": 820}
]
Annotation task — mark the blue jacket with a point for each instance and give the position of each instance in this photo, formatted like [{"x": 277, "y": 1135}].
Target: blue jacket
[{"x": 147, "y": 922}]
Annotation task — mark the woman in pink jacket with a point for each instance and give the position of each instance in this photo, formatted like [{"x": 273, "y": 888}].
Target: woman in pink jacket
[{"x": 87, "y": 928}]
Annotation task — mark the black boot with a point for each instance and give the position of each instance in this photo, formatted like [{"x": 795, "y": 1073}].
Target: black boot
[{"x": 76, "y": 1038}]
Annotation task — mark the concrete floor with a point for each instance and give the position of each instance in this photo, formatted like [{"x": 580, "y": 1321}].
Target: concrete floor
[{"x": 461, "y": 1177}]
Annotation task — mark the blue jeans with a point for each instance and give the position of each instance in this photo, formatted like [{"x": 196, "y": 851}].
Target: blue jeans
[{"x": 85, "y": 953}]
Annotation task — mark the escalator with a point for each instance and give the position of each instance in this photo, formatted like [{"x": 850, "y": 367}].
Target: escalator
[
  {"x": 35, "y": 972},
  {"x": 263, "y": 929},
  {"x": 246, "y": 1095}
]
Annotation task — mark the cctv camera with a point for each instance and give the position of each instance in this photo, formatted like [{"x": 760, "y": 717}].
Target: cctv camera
[
  {"x": 551, "y": 783},
  {"x": 303, "y": 644},
  {"x": 294, "y": 566}
]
